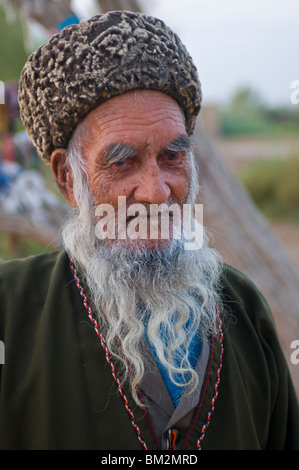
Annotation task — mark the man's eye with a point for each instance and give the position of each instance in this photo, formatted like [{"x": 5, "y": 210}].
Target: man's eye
[
  {"x": 171, "y": 156},
  {"x": 120, "y": 163},
  {"x": 123, "y": 162}
]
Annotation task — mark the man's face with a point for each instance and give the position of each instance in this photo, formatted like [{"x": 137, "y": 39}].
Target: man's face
[{"x": 137, "y": 147}]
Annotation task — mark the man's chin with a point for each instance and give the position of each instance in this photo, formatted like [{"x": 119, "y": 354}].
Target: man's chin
[{"x": 140, "y": 245}]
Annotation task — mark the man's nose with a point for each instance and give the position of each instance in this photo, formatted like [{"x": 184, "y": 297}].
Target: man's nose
[{"x": 152, "y": 187}]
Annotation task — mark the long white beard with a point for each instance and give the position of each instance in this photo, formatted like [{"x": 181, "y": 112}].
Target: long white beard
[{"x": 129, "y": 288}]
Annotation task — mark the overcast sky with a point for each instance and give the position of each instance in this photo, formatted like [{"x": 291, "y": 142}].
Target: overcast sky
[{"x": 235, "y": 43}]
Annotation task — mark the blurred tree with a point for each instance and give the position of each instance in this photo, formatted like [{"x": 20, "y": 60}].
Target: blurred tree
[
  {"x": 13, "y": 54},
  {"x": 245, "y": 114},
  {"x": 246, "y": 99},
  {"x": 109, "y": 5},
  {"x": 49, "y": 13}
]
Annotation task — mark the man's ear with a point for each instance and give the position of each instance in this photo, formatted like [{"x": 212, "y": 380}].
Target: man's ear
[{"x": 63, "y": 175}]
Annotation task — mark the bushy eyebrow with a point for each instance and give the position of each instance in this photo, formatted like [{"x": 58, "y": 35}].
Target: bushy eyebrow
[
  {"x": 117, "y": 152},
  {"x": 180, "y": 144}
]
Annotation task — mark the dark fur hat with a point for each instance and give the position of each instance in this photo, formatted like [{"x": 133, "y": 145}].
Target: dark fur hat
[{"x": 87, "y": 63}]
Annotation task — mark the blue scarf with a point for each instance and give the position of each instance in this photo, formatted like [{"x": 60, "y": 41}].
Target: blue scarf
[{"x": 176, "y": 391}]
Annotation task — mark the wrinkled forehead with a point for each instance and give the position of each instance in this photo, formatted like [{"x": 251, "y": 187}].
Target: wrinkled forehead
[{"x": 139, "y": 117}]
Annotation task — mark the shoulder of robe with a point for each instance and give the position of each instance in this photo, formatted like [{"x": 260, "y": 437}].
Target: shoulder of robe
[
  {"x": 242, "y": 297},
  {"x": 22, "y": 280}
]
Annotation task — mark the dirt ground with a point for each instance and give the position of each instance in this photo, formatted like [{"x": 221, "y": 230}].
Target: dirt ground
[{"x": 238, "y": 152}]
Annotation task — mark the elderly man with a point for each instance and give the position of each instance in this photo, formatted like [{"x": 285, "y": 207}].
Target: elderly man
[{"x": 131, "y": 342}]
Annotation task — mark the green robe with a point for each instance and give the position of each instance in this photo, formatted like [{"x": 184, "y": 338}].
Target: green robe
[{"x": 57, "y": 390}]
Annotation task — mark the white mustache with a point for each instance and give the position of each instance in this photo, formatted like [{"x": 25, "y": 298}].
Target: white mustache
[{"x": 164, "y": 221}]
